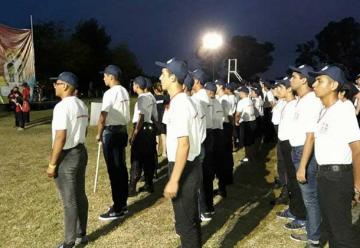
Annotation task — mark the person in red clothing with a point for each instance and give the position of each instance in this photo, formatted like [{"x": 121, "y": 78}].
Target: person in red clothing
[
  {"x": 26, "y": 102},
  {"x": 16, "y": 99}
]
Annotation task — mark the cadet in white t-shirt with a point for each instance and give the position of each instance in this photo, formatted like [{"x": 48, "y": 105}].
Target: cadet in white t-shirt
[
  {"x": 142, "y": 139},
  {"x": 245, "y": 119},
  {"x": 228, "y": 120},
  {"x": 69, "y": 157},
  {"x": 112, "y": 132},
  {"x": 183, "y": 148},
  {"x": 269, "y": 102},
  {"x": 307, "y": 111},
  {"x": 337, "y": 151},
  {"x": 296, "y": 212}
]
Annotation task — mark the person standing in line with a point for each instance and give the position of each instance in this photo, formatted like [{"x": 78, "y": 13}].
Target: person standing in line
[
  {"x": 245, "y": 118},
  {"x": 68, "y": 158},
  {"x": 26, "y": 102},
  {"x": 337, "y": 152},
  {"x": 183, "y": 149},
  {"x": 229, "y": 90},
  {"x": 296, "y": 212},
  {"x": 269, "y": 102},
  {"x": 161, "y": 101},
  {"x": 141, "y": 139},
  {"x": 112, "y": 133},
  {"x": 307, "y": 111},
  {"x": 228, "y": 119}
]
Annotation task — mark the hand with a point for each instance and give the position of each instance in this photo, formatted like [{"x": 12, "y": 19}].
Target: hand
[
  {"x": 357, "y": 195},
  {"x": 301, "y": 175},
  {"x": 98, "y": 139},
  {"x": 171, "y": 189},
  {"x": 50, "y": 172}
]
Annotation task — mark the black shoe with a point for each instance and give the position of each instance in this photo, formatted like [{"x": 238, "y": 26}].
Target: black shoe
[
  {"x": 147, "y": 188},
  {"x": 64, "y": 245},
  {"x": 82, "y": 240},
  {"x": 112, "y": 215},
  {"x": 132, "y": 191}
]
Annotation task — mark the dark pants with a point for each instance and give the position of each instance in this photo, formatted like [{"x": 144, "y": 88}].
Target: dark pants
[
  {"x": 19, "y": 119},
  {"x": 269, "y": 131},
  {"x": 187, "y": 222},
  {"x": 142, "y": 156},
  {"x": 70, "y": 181},
  {"x": 296, "y": 203},
  {"x": 219, "y": 157},
  {"x": 228, "y": 157},
  {"x": 336, "y": 190},
  {"x": 309, "y": 194},
  {"x": 114, "y": 143},
  {"x": 281, "y": 170},
  {"x": 26, "y": 116},
  {"x": 208, "y": 169}
]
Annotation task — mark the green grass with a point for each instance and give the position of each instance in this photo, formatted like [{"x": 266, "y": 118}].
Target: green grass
[{"x": 31, "y": 212}]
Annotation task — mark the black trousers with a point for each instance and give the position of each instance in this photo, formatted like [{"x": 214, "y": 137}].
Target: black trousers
[
  {"x": 19, "y": 119},
  {"x": 142, "y": 156},
  {"x": 269, "y": 132},
  {"x": 228, "y": 157},
  {"x": 296, "y": 203},
  {"x": 208, "y": 173},
  {"x": 219, "y": 157},
  {"x": 114, "y": 141},
  {"x": 336, "y": 190},
  {"x": 185, "y": 205}
]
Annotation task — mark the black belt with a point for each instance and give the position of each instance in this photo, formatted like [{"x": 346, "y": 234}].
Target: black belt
[
  {"x": 115, "y": 128},
  {"x": 335, "y": 167}
]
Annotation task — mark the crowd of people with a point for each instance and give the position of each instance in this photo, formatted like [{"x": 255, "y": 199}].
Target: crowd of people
[{"x": 310, "y": 114}]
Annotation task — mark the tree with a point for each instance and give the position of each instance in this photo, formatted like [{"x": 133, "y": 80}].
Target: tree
[
  {"x": 338, "y": 42},
  {"x": 253, "y": 57}
]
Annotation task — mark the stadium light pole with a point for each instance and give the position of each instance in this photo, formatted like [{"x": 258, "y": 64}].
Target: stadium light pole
[{"x": 212, "y": 41}]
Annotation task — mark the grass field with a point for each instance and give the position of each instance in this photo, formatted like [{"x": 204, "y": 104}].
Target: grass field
[{"x": 31, "y": 213}]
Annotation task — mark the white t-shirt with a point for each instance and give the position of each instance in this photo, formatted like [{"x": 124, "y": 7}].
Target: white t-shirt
[
  {"x": 336, "y": 129},
  {"x": 202, "y": 118},
  {"x": 145, "y": 106},
  {"x": 259, "y": 106},
  {"x": 233, "y": 103},
  {"x": 70, "y": 114},
  {"x": 350, "y": 105},
  {"x": 276, "y": 111},
  {"x": 286, "y": 121},
  {"x": 154, "y": 112},
  {"x": 182, "y": 120},
  {"x": 268, "y": 98},
  {"x": 225, "y": 103},
  {"x": 246, "y": 107},
  {"x": 307, "y": 112},
  {"x": 218, "y": 114},
  {"x": 206, "y": 106},
  {"x": 116, "y": 103}
]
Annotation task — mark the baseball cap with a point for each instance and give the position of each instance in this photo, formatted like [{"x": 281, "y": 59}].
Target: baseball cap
[
  {"x": 188, "y": 82},
  {"x": 303, "y": 70},
  {"x": 177, "y": 67},
  {"x": 149, "y": 83},
  {"x": 141, "y": 81},
  {"x": 69, "y": 78},
  {"x": 231, "y": 86},
  {"x": 210, "y": 86},
  {"x": 112, "y": 70},
  {"x": 284, "y": 81},
  {"x": 244, "y": 89},
  {"x": 220, "y": 82},
  {"x": 357, "y": 76},
  {"x": 333, "y": 72},
  {"x": 200, "y": 75}
]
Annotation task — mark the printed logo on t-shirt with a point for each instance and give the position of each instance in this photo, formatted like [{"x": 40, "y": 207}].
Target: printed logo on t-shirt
[{"x": 324, "y": 127}]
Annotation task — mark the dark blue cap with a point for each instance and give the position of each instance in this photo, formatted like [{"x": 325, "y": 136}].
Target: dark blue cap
[
  {"x": 112, "y": 70},
  {"x": 333, "y": 72},
  {"x": 210, "y": 86},
  {"x": 189, "y": 82},
  {"x": 69, "y": 78},
  {"x": 244, "y": 89},
  {"x": 200, "y": 75},
  {"x": 141, "y": 81},
  {"x": 220, "y": 82},
  {"x": 284, "y": 81},
  {"x": 231, "y": 86},
  {"x": 149, "y": 83},
  {"x": 177, "y": 67},
  {"x": 303, "y": 70}
]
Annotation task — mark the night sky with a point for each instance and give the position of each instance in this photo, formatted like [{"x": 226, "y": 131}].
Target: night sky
[{"x": 160, "y": 29}]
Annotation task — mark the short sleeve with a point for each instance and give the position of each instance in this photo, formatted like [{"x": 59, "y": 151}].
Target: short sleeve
[
  {"x": 106, "y": 102},
  {"x": 59, "y": 118},
  {"x": 240, "y": 107},
  {"x": 351, "y": 131}
]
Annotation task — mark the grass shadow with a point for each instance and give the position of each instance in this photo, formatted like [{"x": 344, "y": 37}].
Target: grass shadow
[{"x": 38, "y": 122}]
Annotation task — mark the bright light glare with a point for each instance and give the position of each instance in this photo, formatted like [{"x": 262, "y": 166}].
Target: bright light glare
[{"x": 212, "y": 40}]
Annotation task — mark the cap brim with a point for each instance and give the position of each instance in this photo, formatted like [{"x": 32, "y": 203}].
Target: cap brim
[
  {"x": 315, "y": 74},
  {"x": 161, "y": 64},
  {"x": 295, "y": 69}
]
